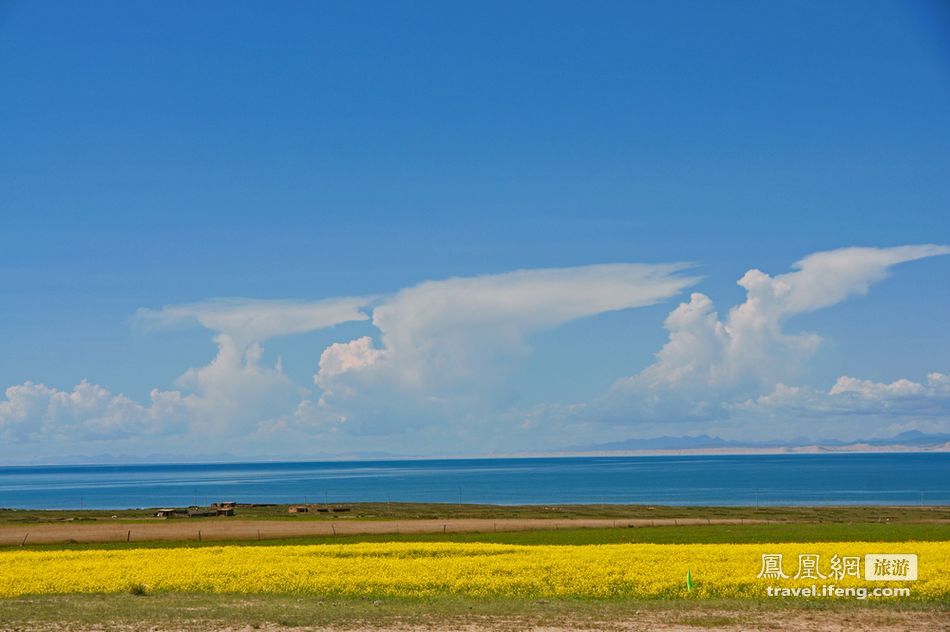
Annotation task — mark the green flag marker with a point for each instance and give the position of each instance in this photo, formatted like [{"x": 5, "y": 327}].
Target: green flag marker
[{"x": 689, "y": 580}]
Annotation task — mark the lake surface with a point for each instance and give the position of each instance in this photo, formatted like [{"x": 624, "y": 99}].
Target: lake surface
[{"x": 827, "y": 479}]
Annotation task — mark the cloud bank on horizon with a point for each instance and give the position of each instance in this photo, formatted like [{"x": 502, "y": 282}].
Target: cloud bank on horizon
[{"x": 435, "y": 369}]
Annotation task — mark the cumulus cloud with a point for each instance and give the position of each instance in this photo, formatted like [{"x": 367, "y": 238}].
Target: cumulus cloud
[
  {"x": 708, "y": 361},
  {"x": 235, "y": 392},
  {"x": 449, "y": 343},
  {"x": 342, "y": 357},
  {"x": 903, "y": 396},
  {"x": 232, "y": 394},
  {"x": 854, "y": 407},
  {"x": 87, "y": 412},
  {"x": 440, "y": 358},
  {"x": 443, "y": 347},
  {"x": 867, "y": 388}
]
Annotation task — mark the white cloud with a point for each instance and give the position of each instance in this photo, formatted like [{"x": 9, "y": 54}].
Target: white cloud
[
  {"x": 853, "y": 408},
  {"x": 234, "y": 393},
  {"x": 448, "y": 345},
  {"x": 442, "y": 327},
  {"x": 708, "y": 362},
  {"x": 231, "y": 395},
  {"x": 867, "y": 388},
  {"x": 440, "y": 361},
  {"x": 341, "y": 357},
  {"x": 444, "y": 348},
  {"x": 901, "y": 397},
  {"x": 248, "y": 321},
  {"x": 87, "y": 412}
]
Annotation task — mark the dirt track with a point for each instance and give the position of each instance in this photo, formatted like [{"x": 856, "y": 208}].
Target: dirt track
[
  {"x": 671, "y": 620},
  {"x": 231, "y": 529},
  {"x": 821, "y": 621}
]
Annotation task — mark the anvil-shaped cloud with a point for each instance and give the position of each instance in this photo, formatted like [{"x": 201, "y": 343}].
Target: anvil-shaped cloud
[
  {"x": 248, "y": 321},
  {"x": 448, "y": 345},
  {"x": 437, "y": 357}
]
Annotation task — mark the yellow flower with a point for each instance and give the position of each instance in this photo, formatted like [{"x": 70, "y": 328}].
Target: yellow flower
[{"x": 471, "y": 569}]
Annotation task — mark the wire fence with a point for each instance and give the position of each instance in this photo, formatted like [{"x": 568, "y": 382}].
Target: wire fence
[
  {"x": 185, "y": 530},
  {"x": 90, "y": 499}
]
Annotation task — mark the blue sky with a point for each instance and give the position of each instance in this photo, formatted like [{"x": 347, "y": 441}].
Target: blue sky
[{"x": 162, "y": 155}]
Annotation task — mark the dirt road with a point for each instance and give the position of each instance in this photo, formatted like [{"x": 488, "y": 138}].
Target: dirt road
[
  {"x": 223, "y": 529},
  {"x": 667, "y": 620}
]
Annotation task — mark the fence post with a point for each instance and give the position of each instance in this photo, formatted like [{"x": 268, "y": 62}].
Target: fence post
[{"x": 128, "y": 536}]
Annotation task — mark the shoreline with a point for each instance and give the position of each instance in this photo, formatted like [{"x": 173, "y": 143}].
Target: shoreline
[{"x": 585, "y": 508}]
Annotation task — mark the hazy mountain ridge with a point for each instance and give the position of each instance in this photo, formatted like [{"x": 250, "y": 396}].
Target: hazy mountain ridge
[
  {"x": 906, "y": 440},
  {"x": 909, "y": 441}
]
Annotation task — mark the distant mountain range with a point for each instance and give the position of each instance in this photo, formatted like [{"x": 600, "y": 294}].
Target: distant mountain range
[
  {"x": 912, "y": 440},
  {"x": 905, "y": 440}
]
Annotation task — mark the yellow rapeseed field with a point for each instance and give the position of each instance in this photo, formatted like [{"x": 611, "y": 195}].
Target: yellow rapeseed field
[{"x": 471, "y": 569}]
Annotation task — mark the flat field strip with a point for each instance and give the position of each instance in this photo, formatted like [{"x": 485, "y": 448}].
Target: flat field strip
[
  {"x": 232, "y": 529},
  {"x": 438, "y": 569},
  {"x": 190, "y": 612},
  {"x": 181, "y": 612}
]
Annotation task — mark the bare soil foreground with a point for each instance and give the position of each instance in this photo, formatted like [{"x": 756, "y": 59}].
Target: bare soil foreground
[{"x": 161, "y": 613}]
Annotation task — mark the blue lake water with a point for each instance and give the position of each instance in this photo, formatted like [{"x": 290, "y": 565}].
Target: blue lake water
[{"x": 827, "y": 479}]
